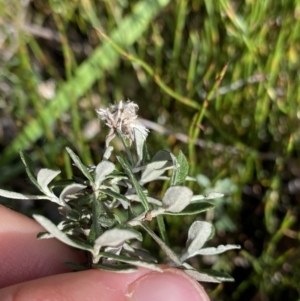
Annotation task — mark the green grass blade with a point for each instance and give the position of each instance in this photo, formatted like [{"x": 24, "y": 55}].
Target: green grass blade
[{"x": 103, "y": 58}]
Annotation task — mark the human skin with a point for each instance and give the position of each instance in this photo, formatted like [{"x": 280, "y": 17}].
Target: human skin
[{"x": 32, "y": 269}]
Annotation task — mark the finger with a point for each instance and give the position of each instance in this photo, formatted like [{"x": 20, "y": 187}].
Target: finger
[
  {"x": 97, "y": 285},
  {"x": 23, "y": 257}
]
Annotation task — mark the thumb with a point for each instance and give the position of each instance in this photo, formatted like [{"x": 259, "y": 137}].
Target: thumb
[
  {"x": 143, "y": 285},
  {"x": 172, "y": 284}
]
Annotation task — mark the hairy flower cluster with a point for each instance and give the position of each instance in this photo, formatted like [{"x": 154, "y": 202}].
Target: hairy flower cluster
[{"x": 122, "y": 117}]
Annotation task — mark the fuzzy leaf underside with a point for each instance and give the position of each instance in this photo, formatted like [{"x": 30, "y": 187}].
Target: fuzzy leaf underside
[
  {"x": 103, "y": 169},
  {"x": 214, "y": 251},
  {"x": 44, "y": 177},
  {"x": 21, "y": 196},
  {"x": 177, "y": 198},
  {"x": 51, "y": 228},
  {"x": 116, "y": 237},
  {"x": 198, "y": 234}
]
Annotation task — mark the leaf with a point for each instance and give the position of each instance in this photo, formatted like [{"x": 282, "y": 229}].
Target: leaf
[
  {"x": 202, "y": 277},
  {"x": 154, "y": 170},
  {"x": 139, "y": 141},
  {"x": 135, "y": 197},
  {"x": 44, "y": 177},
  {"x": 51, "y": 228},
  {"x": 98, "y": 210},
  {"x": 103, "y": 169},
  {"x": 218, "y": 275},
  {"x": 117, "y": 268},
  {"x": 163, "y": 246},
  {"x": 30, "y": 169},
  {"x": 181, "y": 171},
  {"x": 116, "y": 237},
  {"x": 214, "y": 251},
  {"x": 197, "y": 197},
  {"x": 21, "y": 196},
  {"x": 44, "y": 235},
  {"x": 73, "y": 215},
  {"x": 198, "y": 234},
  {"x": 141, "y": 253},
  {"x": 121, "y": 198},
  {"x": 107, "y": 153},
  {"x": 71, "y": 190},
  {"x": 214, "y": 195},
  {"x": 135, "y": 183},
  {"x": 177, "y": 198},
  {"x": 194, "y": 208},
  {"x": 136, "y": 262},
  {"x": 80, "y": 165}
]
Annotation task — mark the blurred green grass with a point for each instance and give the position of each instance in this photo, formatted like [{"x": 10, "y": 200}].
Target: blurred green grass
[{"x": 244, "y": 129}]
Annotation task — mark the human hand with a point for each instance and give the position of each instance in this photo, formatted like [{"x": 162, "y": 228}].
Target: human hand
[{"x": 32, "y": 269}]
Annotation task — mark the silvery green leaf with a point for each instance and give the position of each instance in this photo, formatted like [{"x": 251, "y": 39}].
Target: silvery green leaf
[
  {"x": 80, "y": 165},
  {"x": 163, "y": 246},
  {"x": 197, "y": 198},
  {"x": 151, "y": 166},
  {"x": 103, "y": 169},
  {"x": 177, "y": 198},
  {"x": 30, "y": 169},
  {"x": 194, "y": 208},
  {"x": 117, "y": 268},
  {"x": 198, "y": 234},
  {"x": 214, "y": 195},
  {"x": 121, "y": 198},
  {"x": 51, "y": 228},
  {"x": 108, "y": 152},
  {"x": 218, "y": 275},
  {"x": 70, "y": 190},
  {"x": 189, "y": 178},
  {"x": 21, "y": 196},
  {"x": 116, "y": 237},
  {"x": 113, "y": 250},
  {"x": 44, "y": 235},
  {"x": 135, "y": 197},
  {"x": 139, "y": 141},
  {"x": 202, "y": 277},
  {"x": 135, "y": 183},
  {"x": 129, "y": 260},
  {"x": 44, "y": 177},
  {"x": 214, "y": 251},
  {"x": 181, "y": 171},
  {"x": 128, "y": 247},
  {"x": 154, "y": 170},
  {"x": 154, "y": 201}
]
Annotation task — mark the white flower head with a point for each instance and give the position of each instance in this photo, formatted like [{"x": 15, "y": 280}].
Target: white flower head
[{"x": 122, "y": 117}]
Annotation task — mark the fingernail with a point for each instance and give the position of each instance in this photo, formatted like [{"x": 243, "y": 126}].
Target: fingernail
[{"x": 172, "y": 285}]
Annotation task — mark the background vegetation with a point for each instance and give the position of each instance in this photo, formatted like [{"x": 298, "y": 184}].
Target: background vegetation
[{"x": 241, "y": 134}]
